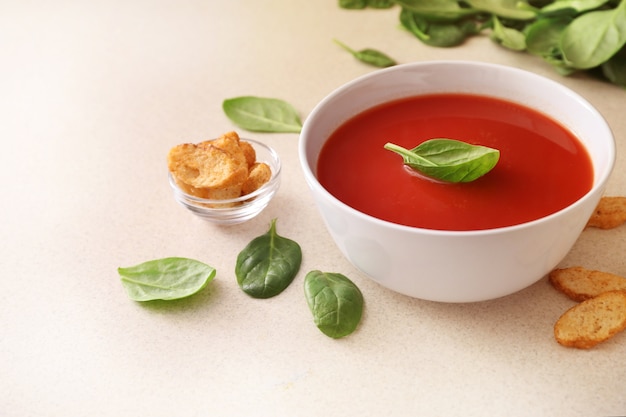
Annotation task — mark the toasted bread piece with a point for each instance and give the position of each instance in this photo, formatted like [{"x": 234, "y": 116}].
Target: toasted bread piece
[
  {"x": 610, "y": 213},
  {"x": 581, "y": 284},
  {"x": 260, "y": 173},
  {"x": 593, "y": 321},
  {"x": 207, "y": 171},
  {"x": 248, "y": 152},
  {"x": 229, "y": 143}
]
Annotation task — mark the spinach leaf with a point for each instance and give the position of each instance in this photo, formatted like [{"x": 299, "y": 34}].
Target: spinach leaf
[
  {"x": 353, "y": 4},
  {"x": 369, "y": 56},
  {"x": 507, "y": 37},
  {"x": 435, "y": 33},
  {"x": 260, "y": 114},
  {"x": 593, "y": 38},
  {"x": 362, "y": 4},
  {"x": 615, "y": 68},
  {"x": 544, "y": 35},
  {"x": 543, "y": 39},
  {"x": 449, "y": 160},
  {"x": 572, "y": 6},
  {"x": 437, "y": 10},
  {"x": 509, "y": 9},
  {"x": 380, "y": 4},
  {"x": 335, "y": 302},
  {"x": 165, "y": 279},
  {"x": 580, "y": 35},
  {"x": 268, "y": 264}
]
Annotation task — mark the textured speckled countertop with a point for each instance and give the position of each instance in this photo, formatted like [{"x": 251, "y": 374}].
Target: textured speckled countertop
[{"x": 93, "y": 95}]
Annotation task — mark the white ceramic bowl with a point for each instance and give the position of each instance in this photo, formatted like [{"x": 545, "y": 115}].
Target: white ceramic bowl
[
  {"x": 456, "y": 266},
  {"x": 235, "y": 210}
]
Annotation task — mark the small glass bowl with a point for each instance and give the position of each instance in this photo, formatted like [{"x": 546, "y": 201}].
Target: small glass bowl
[{"x": 234, "y": 210}]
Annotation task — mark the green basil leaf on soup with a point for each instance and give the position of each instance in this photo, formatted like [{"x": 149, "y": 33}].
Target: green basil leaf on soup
[
  {"x": 268, "y": 264},
  {"x": 335, "y": 302},
  {"x": 165, "y": 279},
  {"x": 448, "y": 160},
  {"x": 261, "y": 114}
]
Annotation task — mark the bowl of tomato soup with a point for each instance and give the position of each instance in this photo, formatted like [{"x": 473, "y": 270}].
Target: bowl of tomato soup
[{"x": 456, "y": 242}]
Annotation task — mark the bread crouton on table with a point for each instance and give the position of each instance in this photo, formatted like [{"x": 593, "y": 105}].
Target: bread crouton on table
[
  {"x": 581, "y": 284},
  {"x": 610, "y": 213},
  {"x": 218, "y": 169},
  {"x": 593, "y": 321}
]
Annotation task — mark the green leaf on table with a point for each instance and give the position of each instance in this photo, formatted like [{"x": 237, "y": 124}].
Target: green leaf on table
[
  {"x": 261, "y": 114},
  {"x": 268, "y": 264},
  {"x": 571, "y": 6},
  {"x": 508, "y": 37},
  {"x": 335, "y": 302},
  {"x": 353, "y": 4},
  {"x": 437, "y": 33},
  {"x": 509, "y": 9},
  {"x": 615, "y": 68},
  {"x": 594, "y": 37},
  {"x": 543, "y": 38},
  {"x": 369, "y": 56},
  {"x": 362, "y": 4},
  {"x": 380, "y": 4},
  {"x": 165, "y": 279},
  {"x": 437, "y": 10},
  {"x": 448, "y": 160}
]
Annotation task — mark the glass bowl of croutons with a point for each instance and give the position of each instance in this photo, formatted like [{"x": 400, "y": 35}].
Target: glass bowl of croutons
[{"x": 225, "y": 181}]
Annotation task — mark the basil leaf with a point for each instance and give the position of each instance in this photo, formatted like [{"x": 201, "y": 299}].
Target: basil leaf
[
  {"x": 449, "y": 160},
  {"x": 165, "y": 279},
  {"x": 593, "y": 38},
  {"x": 260, "y": 114},
  {"x": 268, "y": 264},
  {"x": 369, "y": 56},
  {"x": 335, "y": 302}
]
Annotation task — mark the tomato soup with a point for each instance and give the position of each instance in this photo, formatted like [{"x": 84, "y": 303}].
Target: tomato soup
[{"x": 543, "y": 167}]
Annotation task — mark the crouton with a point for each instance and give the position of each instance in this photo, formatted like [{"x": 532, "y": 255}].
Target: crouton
[
  {"x": 259, "y": 174},
  {"x": 610, "y": 213},
  {"x": 248, "y": 152},
  {"x": 593, "y": 321},
  {"x": 581, "y": 284}
]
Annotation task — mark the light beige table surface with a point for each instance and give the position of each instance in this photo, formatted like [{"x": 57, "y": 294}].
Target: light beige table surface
[{"x": 93, "y": 95}]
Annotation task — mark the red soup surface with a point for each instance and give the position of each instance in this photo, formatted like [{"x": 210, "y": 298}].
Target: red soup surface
[{"x": 542, "y": 168}]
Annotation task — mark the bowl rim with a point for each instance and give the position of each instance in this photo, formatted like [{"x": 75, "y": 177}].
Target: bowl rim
[
  {"x": 599, "y": 183},
  {"x": 248, "y": 198}
]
